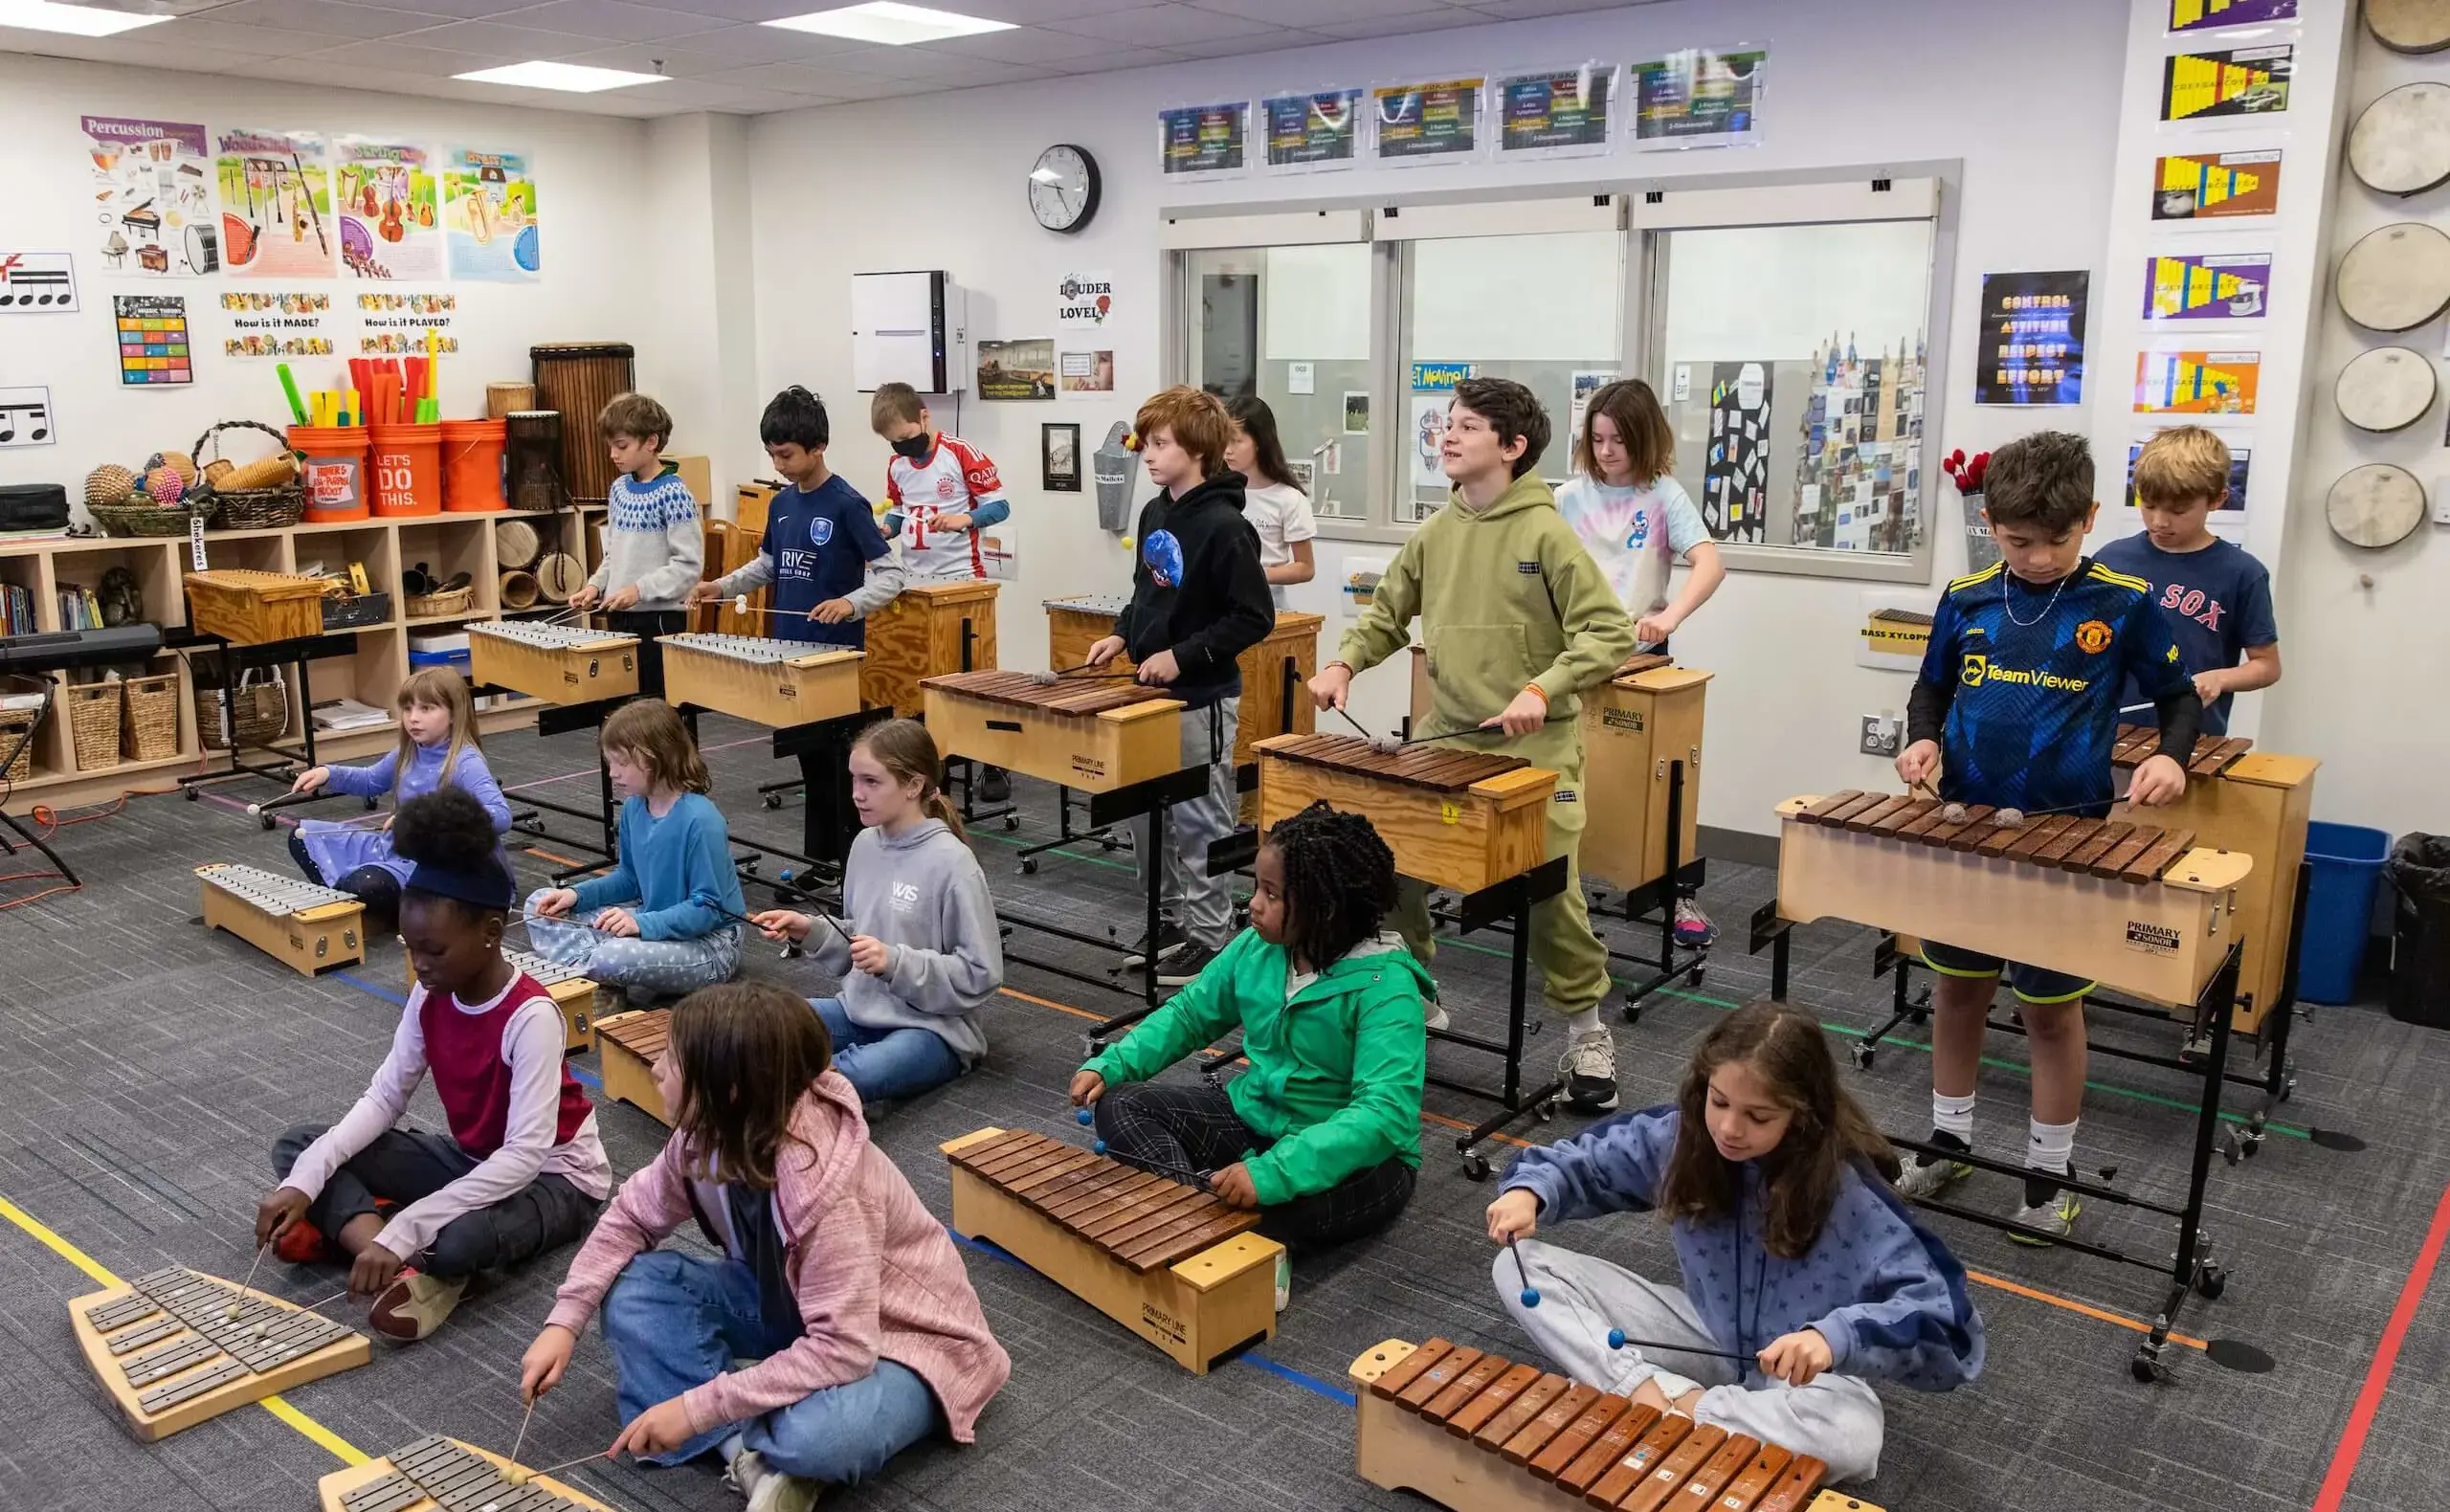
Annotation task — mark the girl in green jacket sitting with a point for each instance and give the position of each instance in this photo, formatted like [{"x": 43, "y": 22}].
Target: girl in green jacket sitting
[{"x": 1321, "y": 1134}]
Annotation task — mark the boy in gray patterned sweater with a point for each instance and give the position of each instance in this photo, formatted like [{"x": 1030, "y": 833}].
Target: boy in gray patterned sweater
[{"x": 653, "y": 538}]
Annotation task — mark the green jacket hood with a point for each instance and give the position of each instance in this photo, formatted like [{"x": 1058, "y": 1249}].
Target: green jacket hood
[
  {"x": 1382, "y": 962},
  {"x": 1531, "y": 491}
]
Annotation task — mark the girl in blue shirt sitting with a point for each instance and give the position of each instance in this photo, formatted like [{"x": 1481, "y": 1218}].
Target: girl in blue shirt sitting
[{"x": 664, "y": 922}]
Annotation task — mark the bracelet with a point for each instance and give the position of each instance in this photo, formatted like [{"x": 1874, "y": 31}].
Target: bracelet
[
  {"x": 1340, "y": 662},
  {"x": 1536, "y": 691}
]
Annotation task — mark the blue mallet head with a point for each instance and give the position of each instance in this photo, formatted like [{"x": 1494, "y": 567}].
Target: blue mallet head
[
  {"x": 1531, "y": 1297},
  {"x": 1616, "y": 1338},
  {"x": 1084, "y": 1116},
  {"x": 1098, "y": 1148}
]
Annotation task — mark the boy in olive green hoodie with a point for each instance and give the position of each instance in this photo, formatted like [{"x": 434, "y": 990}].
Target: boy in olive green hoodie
[
  {"x": 1321, "y": 1134},
  {"x": 1518, "y": 621}
]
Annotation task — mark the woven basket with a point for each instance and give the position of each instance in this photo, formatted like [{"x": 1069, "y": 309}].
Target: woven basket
[
  {"x": 263, "y": 717},
  {"x": 150, "y": 720},
  {"x": 153, "y": 520},
  {"x": 424, "y": 606},
  {"x": 16, "y": 726},
  {"x": 276, "y": 507},
  {"x": 92, "y": 723}
]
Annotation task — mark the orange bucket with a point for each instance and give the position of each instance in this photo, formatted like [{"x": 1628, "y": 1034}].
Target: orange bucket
[
  {"x": 406, "y": 468},
  {"x": 471, "y": 473},
  {"x": 333, "y": 465}
]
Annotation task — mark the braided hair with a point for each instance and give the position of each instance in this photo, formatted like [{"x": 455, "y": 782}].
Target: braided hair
[{"x": 1339, "y": 881}]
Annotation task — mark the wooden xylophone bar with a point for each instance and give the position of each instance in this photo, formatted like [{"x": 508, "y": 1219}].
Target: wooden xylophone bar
[
  {"x": 1100, "y": 736},
  {"x": 629, "y": 1044},
  {"x": 2212, "y": 757},
  {"x": 2108, "y": 849},
  {"x": 1078, "y": 695},
  {"x": 1439, "y": 769},
  {"x": 1142, "y": 1221}
]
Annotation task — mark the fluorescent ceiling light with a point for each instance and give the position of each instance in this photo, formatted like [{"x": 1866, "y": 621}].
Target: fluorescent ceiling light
[
  {"x": 890, "y": 24},
  {"x": 570, "y": 78},
  {"x": 76, "y": 20}
]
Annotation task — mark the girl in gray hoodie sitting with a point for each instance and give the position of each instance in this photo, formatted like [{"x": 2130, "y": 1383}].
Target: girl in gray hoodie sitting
[{"x": 918, "y": 948}]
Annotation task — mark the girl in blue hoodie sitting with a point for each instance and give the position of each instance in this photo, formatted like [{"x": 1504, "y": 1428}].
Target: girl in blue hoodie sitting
[{"x": 1798, "y": 1258}]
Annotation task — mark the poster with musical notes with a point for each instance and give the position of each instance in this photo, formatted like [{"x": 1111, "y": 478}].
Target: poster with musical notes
[
  {"x": 153, "y": 196},
  {"x": 391, "y": 224},
  {"x": 152, "y": 340},
  {"x": 275, "y": 204},
  {"x": 489, "y": 217},
  {"x": 38, "y": 283},
  {"x": 25, "y": 417}
]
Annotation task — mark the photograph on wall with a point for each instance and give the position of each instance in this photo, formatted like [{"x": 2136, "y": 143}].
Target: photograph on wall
[
  {"x": 2212, "y": 15},
  {"x": 287, "y": 323},
  {"x": 1312, "y": 131},
  {"x": 1427, "y": 122},
  {"x": 38, "y": 283},
  {"x": 25, "y": 417},
  {"x": 1059, "y": 458},
  {"x": 153, "y": 331},
  {"x": 390, "y": 226},
  {"x": 1859, "y": 482},
  {"x": 2216, "y": 185},
  {"x": 2226, "y": 83},
  {"x": 1086, "y": 372},
  {"x": 153, "y": 196},
  {"x": 489, "y": 217},
  {"x": 396, "y": 324},
  {"x": 1203, "y": 138},
  {"x": 2207, "y": 286},
  {"x": 1356, "y": 413},
  {"x": 2196, "y": 382},
  {"x": 2240, "y": 465},
  {"x": 1585, "y": 382},
  {"x": 1083, "y": 301},
  {"x": 1735, "y": 468},
  {"x": 275, "y": 204},
  {"x": 1425, "y": 438},
  {"x": 1016, "y": 370},
  {"x": 1557, "y": 113},
  {"x": 1702, "y": 96},
  {"x": 2032, "y": 339}
]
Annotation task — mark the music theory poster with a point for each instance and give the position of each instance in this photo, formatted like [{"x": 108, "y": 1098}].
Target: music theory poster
[
  {"x": 38, "y": 283},
  {"x": 1700, "y": 97},
  {"x": 1428, "y": 122},
  {"x": 2228, "y": 83},
  {"x": 1204, "y": 138},
  {"x": 489, "y": 216},
  {"x": 152, "y": 337},
  {"x": 2196, "y": 382},
  {"x": 25, "y": 417},
  {"x": 276, "y": 205},
  {"x": 390, "y": 226},
  {"x": 2206, "y": 15},
  {"x": 1312, "y": 131},
  {"x": 151, "y": 187},
  {"x": 2032, "y": 339},
  {"x": 2216, "y": 185},
  {"x": 2233, "y": 507},
  {"x": 1557, "y": 113}
]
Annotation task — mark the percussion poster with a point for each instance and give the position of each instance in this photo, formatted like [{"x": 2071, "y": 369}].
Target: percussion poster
[
  {"x": 38, "y": 283},
  {"x": 2205, "y": 16},
  {"x": 489, "y": 217},
  {"x": 389, "y": 227},
  {"x": 288, "y": 322},
  {"x": 152, "y": 340},
  {"x": 2227, "y": 84},
  {"x": 1420, "y": 122},
  {"x": 1560, "y": 113},
  {"x": 276, "y": 205},
  {"x": 1735, "y": 473},
  {"x": 1312, "y": 131},
  {"x": 25, "y": 417},
  {"x": 2033, "y": 339},
  {"x": 1203, "y": 138},
  {"x": 2196, "y": 383},
  {"x": 152, "y": 183},
  {"x": 2213, "y": 286},
  {"x": 2216, "y": 185},
  {"x": 1703, "y": 97}
]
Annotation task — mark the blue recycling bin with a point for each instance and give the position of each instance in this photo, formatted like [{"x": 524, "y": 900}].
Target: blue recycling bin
[{"x": 2347, "y": 862}]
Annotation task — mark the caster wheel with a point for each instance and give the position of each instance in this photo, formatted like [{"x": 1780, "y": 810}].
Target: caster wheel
[
  {"x": 1011, "y": 821},
  {"x": 1693, "y": 978},
  {"x": 2211, "y": 1283},
  {"x": 1633, "y": 1013},
  {"x": 2143, "y": 1368},
  {"x": 1476, "y": 1166},
  {"x": 1546, "y": 1112},
  {"x": 772, "y": 800},
  {"x": 2287, "y": 1088},
  {"x": 264, "y": 819},
  {"x": 2254, "y": 1145},
  {"x": 1863, "y": 1053},
  {"x": 1029, "y": 866},
  {"x": 189, "y": 793}
]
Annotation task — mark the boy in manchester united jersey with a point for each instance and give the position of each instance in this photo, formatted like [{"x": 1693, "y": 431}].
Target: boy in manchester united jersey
[{"x": 2017, "y": 708}]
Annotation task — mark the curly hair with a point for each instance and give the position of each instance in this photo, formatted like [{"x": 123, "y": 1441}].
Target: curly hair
[
  {"x": 1339, "y": 881},
  {"x": 448, "y": 829},
  {"x": 796, "y": 418}
]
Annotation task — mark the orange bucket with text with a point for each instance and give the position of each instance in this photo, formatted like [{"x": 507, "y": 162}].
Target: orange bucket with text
[
  {"x": 472, "y": 475},
  {"x": 407, "y": 470},
  {"x": 331, "y": 461}
]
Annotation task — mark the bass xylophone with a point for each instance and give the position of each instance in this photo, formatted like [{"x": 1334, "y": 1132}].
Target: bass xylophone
[
  {"x": 629, "y": 1044},
  {"x": 1636, "y": 727},
  {"x": 1168, "y": 1261},
  {"x": 176, "y": 1347},
  {"x": 1093, "y": 734},
  {"x": 302, "y": 924},
  {"x": 443, "y": 1475},
  {"x": 1478, "y": 1432},
  {"x": 2137, "y": 908},
  {"x": 1454, "y": 817},
  {"x": 557, "y": 663},
  {"x": 924, "y": 634},
  {"x": 776, "y": 684}
]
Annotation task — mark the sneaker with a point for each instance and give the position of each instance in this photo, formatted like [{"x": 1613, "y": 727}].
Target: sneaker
[
  {"x": 1589, "y": 1066},
  {"x": 1693, "y": 928},
  {"x": 1171, "y": 940},
  {"x": 994, "y": 785},
  {"x": 1179, "y": 969},
  {"x": 768, "y": 1489},
  {"x": 302, "y": 1243},
  {"x": 1433, "y": 1014},
  {"x": 1283, "y": 1280},
  {"x": 415, "y": 1306},
  {"x": 2055, "y": 1215},
  {"x": 1924, "y": 1179}
]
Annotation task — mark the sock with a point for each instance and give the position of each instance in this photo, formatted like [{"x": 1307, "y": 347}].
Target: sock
[
  {"x": 1585, "y": 1022},
  {"x": 2050, "y": 1151},
  {"x": 733, "y": 1448},
  {"x": 1951, "y": 1123}
]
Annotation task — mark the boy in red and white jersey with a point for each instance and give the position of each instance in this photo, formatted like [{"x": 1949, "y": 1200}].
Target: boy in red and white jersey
[{"x": 938, "y": 490}]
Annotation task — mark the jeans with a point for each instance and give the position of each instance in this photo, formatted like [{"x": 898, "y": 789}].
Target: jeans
[
  {"x": 886, "y": 1065},
  {"x": 1207, "y": 903},
  {"x": 674, "y": 1322},
  {"x": 405, "y": 1164}
]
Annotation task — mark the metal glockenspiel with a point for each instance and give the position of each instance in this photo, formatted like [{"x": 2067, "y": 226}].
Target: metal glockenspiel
[
  {"x": 176, "y": 1347},
  {"x": 304, "y": 926},
  {"x": 557, "y": 663},
  {"x": 453, "y": 1478},
  {"x": 766, "y": 681},
  {"x": 270, "y": 891}
]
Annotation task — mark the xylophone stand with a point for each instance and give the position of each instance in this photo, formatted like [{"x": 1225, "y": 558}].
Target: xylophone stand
[
  {"x": 563, "y": 719},
  {"x": 823, "y": 749},
  {"x": 1512, "y": 900}
]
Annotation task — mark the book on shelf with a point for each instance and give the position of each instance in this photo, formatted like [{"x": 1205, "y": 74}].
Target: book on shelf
[
  {"x": 336, "y": 715},
  {"x": 17, "y": 610}
]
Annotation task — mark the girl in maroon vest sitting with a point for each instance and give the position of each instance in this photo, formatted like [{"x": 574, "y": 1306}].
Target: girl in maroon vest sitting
[{"x": 522, "y": 1169}]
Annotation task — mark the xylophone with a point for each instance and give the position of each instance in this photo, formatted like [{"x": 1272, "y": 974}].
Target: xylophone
[
  {"x": 443, "y": 1475},
  {"x": 171, "y": 1353},
  {"x": 629, "y": 1044},
  {"x": 2258, "y": 803},
  {"x": 299, "y": 923},
  {"x": 776, "y": 684},
  {"x": 2136, "y": 907},
  {"x": 920, "y": 635},
  {"x": 557, "y": 663},
  {"x": 1454, "y": 817},
  {"x": 248, "y": 607},
  {"x": 1093, "y": 734},
  {"x": 1167, "y": 1260},
  {"x": 1635, "y": 726},
  {"x": 1478, "y": 1432},
  {"x": 573, "y": 992}
]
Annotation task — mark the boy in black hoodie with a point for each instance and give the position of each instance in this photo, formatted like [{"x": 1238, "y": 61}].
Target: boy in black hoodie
[{"x": 1199, "y": 599}]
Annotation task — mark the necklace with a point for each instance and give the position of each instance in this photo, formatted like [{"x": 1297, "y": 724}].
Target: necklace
[{"x": 2008, "y": 607}]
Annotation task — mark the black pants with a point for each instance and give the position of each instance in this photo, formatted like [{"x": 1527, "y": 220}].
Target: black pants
[
  {"x": 371, "y": 886},
  {"x": 1196, "y": 1128},
  {"x": 404, "y": 1164},
  {"x": 648, "y": 626}
]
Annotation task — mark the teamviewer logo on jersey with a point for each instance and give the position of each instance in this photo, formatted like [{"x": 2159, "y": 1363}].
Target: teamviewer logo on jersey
[{"x": 1973, "y": 671}]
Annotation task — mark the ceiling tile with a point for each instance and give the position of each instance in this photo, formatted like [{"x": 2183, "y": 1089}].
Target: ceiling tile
[
  {"x": 324, "y": 18},
  {"x": 1027, "y": 44},
  {"x": 127, "y": 50},
  {"x": 1525, "y": 9},
  {"x": 1160, "y": 26},
  {"x": 1401, "y": 25},
  {"x": 1272, "y": 40},
  {"x": 944, "y": 70},
  {"x": 749, "y": 10},
  {"x": 810, "y": 85},
  {"x": 1037, "y": 12},
  {"x": 742, "y": 46},
  {"x": 380, "y": 63},
  {"x": 609, "y": 20},
  {"x": 492, "y": 38},
  {"x": 1104, "y": 58},
  {"x": 454, "y": 10},
  {"x": 262, "y": 41},
  {"x": 1314, "y": 14}
]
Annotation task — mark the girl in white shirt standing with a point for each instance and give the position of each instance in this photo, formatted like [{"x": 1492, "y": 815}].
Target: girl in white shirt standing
[{"x": 1271, "y": 502}]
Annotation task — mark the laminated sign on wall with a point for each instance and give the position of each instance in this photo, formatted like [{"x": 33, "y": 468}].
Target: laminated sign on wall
[{"x": 1084, "y": 301}]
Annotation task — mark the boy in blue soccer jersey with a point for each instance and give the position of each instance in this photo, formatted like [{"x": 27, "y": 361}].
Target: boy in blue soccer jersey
[{"x": 2017, "y": 708}]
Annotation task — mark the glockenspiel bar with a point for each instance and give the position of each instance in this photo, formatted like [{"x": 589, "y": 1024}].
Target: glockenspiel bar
[
  {"x": 270, "y": 891},
  {"x": 545, "y": 972},
  {"x": 762, "y": 650},
  {"x": 463, "y": 1480},
  {"x": 548, "y": 636},
  {"x": 164, "y": 1397},
  {"x": 127, "y": 1341},
  {"x": 1089, "y": 603},
  {"x": 119, "y": 1314},
  {"x": 390, "y": 1494}
]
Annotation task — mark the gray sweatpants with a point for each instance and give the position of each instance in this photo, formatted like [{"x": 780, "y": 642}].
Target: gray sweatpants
[
  {"x": 1205, "y": 902},
  {"x": 1836, "y": 1420},
  {"x": 655, "y": 967}
]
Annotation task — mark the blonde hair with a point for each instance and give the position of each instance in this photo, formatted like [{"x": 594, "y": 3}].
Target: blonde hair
[
  {"x": 2182, "y": 465},
  {"x": 894, "y": 402},
  {"x": 1196, "y": 420},
  {"x": 648, "y": 732},
  {"x": 438, "y": 688},
  {"x": 1631, "y": 407},
  {"x": 908, "y": 753}
]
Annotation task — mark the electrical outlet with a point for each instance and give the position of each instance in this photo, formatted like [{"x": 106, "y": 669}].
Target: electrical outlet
[{"x": 1882, "y": 735}]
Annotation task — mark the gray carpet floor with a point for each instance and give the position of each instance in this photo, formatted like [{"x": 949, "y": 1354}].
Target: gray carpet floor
[{"x": 145, "y": 1066}]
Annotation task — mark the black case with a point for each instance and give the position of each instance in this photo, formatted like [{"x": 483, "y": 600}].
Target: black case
[{"x": 32, "y": 506}]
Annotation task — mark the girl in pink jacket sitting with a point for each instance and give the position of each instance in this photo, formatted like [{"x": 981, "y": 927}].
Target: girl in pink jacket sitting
[{"x": 855, "y": 1358}]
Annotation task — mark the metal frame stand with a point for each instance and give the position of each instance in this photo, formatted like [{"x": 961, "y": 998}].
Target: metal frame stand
[
  {"x": 1511, "y": 901},
  {"x": 237, "y": 660}
]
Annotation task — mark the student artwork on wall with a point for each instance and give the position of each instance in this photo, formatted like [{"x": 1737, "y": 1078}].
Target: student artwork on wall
[
  {"x": 1016, "y": 370},
  {"x": 38, "y": 283},
  {"x": 152, "y": 335},
  {"x": 1424, "y": 440},
  {"x": 1585, "y": 382},
  {"x": 1356, "y": 413},
  {"x": 1203, "y": 141},
  {"x": 1059, "y": 458},
  {"x": 1427, "y": 122},
  {"x": 2203, "y": 383},
  {"x": 2032, "y": 339},
  {"x": 151, "y": 188},
  {"x": 1860, "y": 478},
  {"x": 2216, "y": 185},
  {"x": 2226, "y": 83},
  {"x": 1700, "y": 97},
  {"x": 2207, "y": 286},
  {"x": 999, "y": 551},
  {"x": 389, "y": 227},
  {"x": 2206, "y": 15},
  {"x": 489, "y": 217},
  {"x": 25, "y": 417},
  {"x": 1557, "y": 113},
  {"x": 1735, "y": 470},
  {"x": 1312, "y": 132},
  {"x": 276, "y": 191},
  {"x": 286, "y": 323}
]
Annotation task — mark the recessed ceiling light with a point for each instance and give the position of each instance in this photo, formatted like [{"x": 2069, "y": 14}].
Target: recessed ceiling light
[
  {"x": 76, "y": 20},
  {"x": 890, "y": 24},
  {"x": 572, "y": 77}
]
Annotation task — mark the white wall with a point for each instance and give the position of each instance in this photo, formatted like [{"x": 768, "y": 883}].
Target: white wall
[{"x": 937, "y": 181}]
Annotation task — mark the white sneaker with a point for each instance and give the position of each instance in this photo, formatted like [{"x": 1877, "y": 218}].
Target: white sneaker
[
  {"x": 1433, "y": 1014},
  {"x": 2055, "y": 1216},
  {"x": 1589, "y": 1066},
  {"x": 1918, "y": 1182},
  {"x": 768, "y": 1489},
  {"x": 1283, "y": 1280}
]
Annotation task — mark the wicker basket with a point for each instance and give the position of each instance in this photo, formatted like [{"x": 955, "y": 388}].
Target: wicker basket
[
  {"x": 149, "y": 723},
  {"x": 16, "y": 726},
  {"x": 274, "y": 508},
  {"x": 263, "y": 716},
  {"x": 153, "y": 520},
  {"x": 425, "y": 606},
  {"x": 92, "y": 723}
]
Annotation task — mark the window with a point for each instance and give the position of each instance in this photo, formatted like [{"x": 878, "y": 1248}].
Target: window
[{"x": 1291, "y": 324}]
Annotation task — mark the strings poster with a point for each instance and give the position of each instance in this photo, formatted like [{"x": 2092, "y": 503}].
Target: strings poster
[
  {"x": 489, "y": 217},
  {"x": 390, "y": 221},
  {"x": 2033, "y": 339},
  {"x": 153, "y": 197},
  {"x": 275, "y": 204}
]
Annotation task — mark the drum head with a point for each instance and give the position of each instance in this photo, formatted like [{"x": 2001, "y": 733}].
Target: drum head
[
  {"x": 2396, "y": 278},
  {"x": 2376, "y": 506},
  {"x": 2409, "y": 26},
  {"x": 204, "y": 250},
  {"x": 2388, "y": 389},
  {"x": 2400, "y": 144}
]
